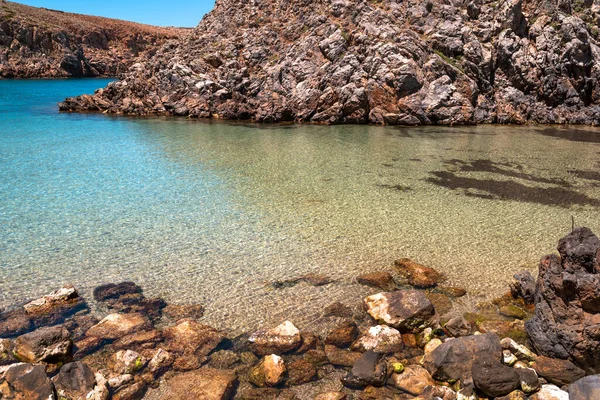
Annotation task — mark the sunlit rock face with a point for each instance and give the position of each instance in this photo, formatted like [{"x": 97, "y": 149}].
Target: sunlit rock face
[{"x": 385, "y": 62}]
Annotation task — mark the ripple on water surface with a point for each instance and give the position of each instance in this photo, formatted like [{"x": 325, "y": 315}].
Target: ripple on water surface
[{"x": 215, "y": 212}]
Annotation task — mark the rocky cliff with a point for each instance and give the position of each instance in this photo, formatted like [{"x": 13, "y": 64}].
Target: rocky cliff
[
  {"x": 374, "y": 61},
  {"x": 42, "y": 43}
]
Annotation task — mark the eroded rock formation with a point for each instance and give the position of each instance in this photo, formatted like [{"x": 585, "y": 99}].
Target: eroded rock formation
[
  {"x": 386, "y": 62},
  {"x": 42, "y": 43}
]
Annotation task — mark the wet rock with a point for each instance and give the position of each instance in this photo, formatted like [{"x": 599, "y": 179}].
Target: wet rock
[
  {"x": 559, "y": 372},
  {"x": 380, "y": 280},
  {"x": 550, "y": 392},
  {"x": 331, "y": 396},
  {"x": 567, "y": 301},
  {"x": 27, "y": 382},
  {"x": 112, "y": 291},
  {"x": 529, "y": 380},
  {"x": 160, "y": 362},
  {"x": 205, "y": 383},
  {"x": 270, "y": 371},
  {"x": 300, "y": 372},
  {"x": 453, "y": 360},
  {"x": 452, "y": 291},
  {"x": 413, "y": 380},
  {"x": 523, "y": 286},
  {"x": 279, "y": 340},
  {"x": 405, "y": 310},
  {"x": 343, "y": 335},
  {"x": 139, "y": 340},
  {"x": 50, "y": 345},
  {"x": 312, "y": 279},
  {"x": 135, "y": 391},
  {"x": 7, "y": 347},
  {"x": 114, "y": 326},
  {"x": 266, "y": 393},
  {"x": 74, "y": 381},
  {"x": 15, "y": 323},
  {"x": 188, "y": 362},
  {"x": 418, "y": 275},
  {"x": 191, "y": 337},
  {"x": 127, "y": 362},
  {"x": 493, "y": 378},
  {"x": 512, "y": 311},
  {"x": 86, "y": 346},
  {"x": 342, "y": 358},
  {"x": 309, "y": 342},
  {"x": 381, "y": 339},
  {"x": 368, "y": 370},
  {"x": 458, "y": 326},
  {"x": 441, "y": 302},
  {"x": 585, "y": 388}
]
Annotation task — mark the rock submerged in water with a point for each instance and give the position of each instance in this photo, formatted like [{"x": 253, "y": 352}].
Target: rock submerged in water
[
  {"x": 405, "y": 310},
  {"x": 418, "y": 275},
  {"x": 567, "y": 302},
  {"x": 279, "y": 340}
]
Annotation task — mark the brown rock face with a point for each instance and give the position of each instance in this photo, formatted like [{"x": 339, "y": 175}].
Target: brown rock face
[
  {"x": 567, "y": 302},
  {"x": 37, "y": 42},
  {"x": 384, "y": 62},
  {"x": 205, "y": 383}
]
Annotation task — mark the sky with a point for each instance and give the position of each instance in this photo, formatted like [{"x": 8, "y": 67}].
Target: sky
[{"x": 154, "y": 12}]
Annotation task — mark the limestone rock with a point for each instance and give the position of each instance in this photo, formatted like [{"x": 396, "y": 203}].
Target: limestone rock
[
  {"x": 279, "y": 340},
  {"x": 413, "y": 380},
  {"x": 270, "y": 371},
  {"x": 117, "y": 325},
  {"x": 381, "y": 339},
  {"x": 405, "y": 310}
]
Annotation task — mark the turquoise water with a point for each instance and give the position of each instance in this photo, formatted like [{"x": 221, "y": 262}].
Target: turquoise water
[{"x": 213, "y": 212}]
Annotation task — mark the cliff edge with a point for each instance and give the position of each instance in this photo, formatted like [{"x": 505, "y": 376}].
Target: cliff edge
[
  {"x": 42, "y": 43},
  {"x": 366, "y": 61}
]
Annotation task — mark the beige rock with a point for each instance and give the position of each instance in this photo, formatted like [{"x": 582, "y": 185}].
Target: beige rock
[
  {"x": 281, "y": 339},
  {"x": 270, "y": 371},
  {"x": 413, "y": 380},
  {"x": 114, "y": 326},
  {"x": 380, "y": 339}
]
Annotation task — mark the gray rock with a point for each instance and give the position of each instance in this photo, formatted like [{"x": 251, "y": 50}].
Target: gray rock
[{"x": 405, "y": 310}]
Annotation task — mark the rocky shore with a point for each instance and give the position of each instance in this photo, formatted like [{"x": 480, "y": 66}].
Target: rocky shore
[
  {"x": 381, "y": 62},
  {"x": 43, "y": 43},
  {"x": 397, "y": 347}
]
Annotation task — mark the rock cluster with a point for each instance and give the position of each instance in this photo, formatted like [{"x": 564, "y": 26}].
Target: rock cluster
[
  {"x": 37, "y": 42},
  {"x": 383, "y": 62}
]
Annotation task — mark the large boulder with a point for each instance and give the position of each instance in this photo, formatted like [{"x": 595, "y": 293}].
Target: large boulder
[
  {"x": 566, "y": 322},
  {"x": 50, "y": 345},
  {"x": 585, "y": 388},
  {"x": 493, "y": 378},
  {"x": 74, "y": 381},
  {"x": 453, "y": 360},
  {"x": 27, "y": 382},
  {"x": 405, "y": 310}
]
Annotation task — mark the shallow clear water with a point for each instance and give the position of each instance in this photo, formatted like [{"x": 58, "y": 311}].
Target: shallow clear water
[{"x": 213, "y": 212}]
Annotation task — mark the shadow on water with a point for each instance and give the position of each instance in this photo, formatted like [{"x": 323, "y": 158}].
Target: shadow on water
[
  {"x": 574, "y": 135},
  {"x": 511, "y": 170},
  {"x": 509, "y": 190}
]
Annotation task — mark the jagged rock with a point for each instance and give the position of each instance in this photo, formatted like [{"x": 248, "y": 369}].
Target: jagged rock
[
  {"x": 381, "y": 339},
  {"x": 205, "y": 383},
  {"x": 559, "y": 372},
  {"x": 405, "y": 310},
  {"x": 523, "y": 286},
  {"x": 279, "y": 340},
  {"x": 50, "y": 345},
  {"x": 493, "y": 378},
  {"x": 414, "y": 379},
  {"x": 585, "y": 388},
  {"x": 418, "y": 275},
  {"x": 343, "y": 335},
  {"x": 453, "y": 360},
  {"x": 27, "y": 382},
  {"x": 368, "y": 370},
  {"x": 74, "y": 381},
  {"x": 381, "y": 280},
  {"x": 191, "y": 337},
  {"x": 567, "y": 301},
  {"x": 270, "y": 371},
  {"x": 117, "y": 325},
  {"x": 458, "y": 326}
]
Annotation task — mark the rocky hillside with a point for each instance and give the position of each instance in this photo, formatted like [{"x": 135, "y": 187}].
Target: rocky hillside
[
  {"x": 374, "y": 61},
  {"x": 37, "y": 42}
]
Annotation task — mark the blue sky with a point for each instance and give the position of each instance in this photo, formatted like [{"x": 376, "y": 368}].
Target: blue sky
[{"x": 153, "y": 12}]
